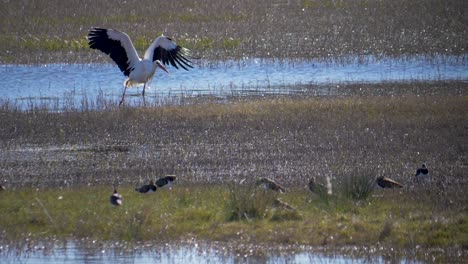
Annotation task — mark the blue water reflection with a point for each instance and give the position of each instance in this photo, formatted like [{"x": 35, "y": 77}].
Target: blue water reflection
[
  {"x": 222, "y": 78},
  {"x": 194, "y": 253}
]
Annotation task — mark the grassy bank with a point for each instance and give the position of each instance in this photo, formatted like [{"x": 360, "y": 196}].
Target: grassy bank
[
  {"x": 54, "y": 31},
  {"x": 392, "y": 218}
]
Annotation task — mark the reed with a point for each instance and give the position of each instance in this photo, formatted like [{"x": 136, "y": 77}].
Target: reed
[
  {"x": 359, "y": 185},
  {"x": 248, "y": 202}
]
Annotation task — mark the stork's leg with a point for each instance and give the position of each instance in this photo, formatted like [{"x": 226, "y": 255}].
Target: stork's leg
[
  {"x": 144, "y": 87},
  {"x": 144, "y": 99},
  {"x": 123, "y": 95}
]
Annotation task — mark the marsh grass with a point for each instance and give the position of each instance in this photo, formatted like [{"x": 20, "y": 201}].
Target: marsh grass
[
  {"x": 248, "y": 202},
  {"x": 212, "y": 141},
  {"x": 359, "y": 185},
  {"x": 51, "y": 31},
  {"x": 386, "y": 229},
  {"x": 188, "y": 211},
  {"x": 80, "y": 154}
]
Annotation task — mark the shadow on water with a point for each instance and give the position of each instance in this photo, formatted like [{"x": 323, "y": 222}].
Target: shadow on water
[
  {"x": 50, "y": 82},
  {"x": 200, "y": 252}
]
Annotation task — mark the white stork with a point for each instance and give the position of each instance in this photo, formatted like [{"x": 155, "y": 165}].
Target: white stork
[{"x": 119, "y": 47}]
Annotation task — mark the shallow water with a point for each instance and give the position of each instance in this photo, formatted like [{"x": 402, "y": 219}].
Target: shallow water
[
  {"x": 71, "y": 252},
  {"x": 244, "y": 77}
]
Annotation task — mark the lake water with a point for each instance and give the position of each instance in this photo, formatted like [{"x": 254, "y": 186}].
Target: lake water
[
  {"x": 243, "y": 77},
  {"x": 71, "y": 252}
]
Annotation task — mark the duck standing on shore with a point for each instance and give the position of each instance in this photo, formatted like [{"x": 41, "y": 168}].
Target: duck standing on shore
[
  {"x": 422, "y": 174},
  {"x": 147, "y": 188},
  {"x": 165, "y": 181},
  {"x": 385, "y": 182},
  {"x": 116, "y": 199},
  {"x": 270, "y": 184},
  {"x": 315, "y": 187}
]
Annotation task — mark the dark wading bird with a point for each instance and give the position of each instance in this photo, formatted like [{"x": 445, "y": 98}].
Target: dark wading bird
[
  {"x": 165, "y": 180},
  {"x": 385, "y": 182},
  {"x": 270, "y": 184},
  {"x": 315, "y": 187},
  {"x": 116, "y": 199},
  {"x": 2, "y": 188},
  {"x": 422, "y": 172},
  {"x": 147, "y": 188},
  {"x": 119, "y": 47}
]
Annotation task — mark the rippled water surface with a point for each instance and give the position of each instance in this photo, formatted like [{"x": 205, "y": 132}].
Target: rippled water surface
[
  {"x": 194, "y": 253},
  {"x": 248, "y": 76}
]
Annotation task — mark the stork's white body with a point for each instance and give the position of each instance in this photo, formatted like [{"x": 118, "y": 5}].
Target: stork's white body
[{"x": 143, "y": 73}]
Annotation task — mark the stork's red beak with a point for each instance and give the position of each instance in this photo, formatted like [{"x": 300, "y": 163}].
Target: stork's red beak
[{"x": 160, "y": 65}]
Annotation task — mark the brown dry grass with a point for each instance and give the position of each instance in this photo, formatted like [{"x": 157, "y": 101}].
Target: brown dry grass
[
  {"x": 288, "y": 139},
  {"x": 51, "y": 31}
]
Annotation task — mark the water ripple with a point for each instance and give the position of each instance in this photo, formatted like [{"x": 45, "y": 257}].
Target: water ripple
[{"x": 224, "y": 78}]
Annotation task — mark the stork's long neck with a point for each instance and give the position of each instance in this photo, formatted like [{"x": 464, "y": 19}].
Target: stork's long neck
[{"x": 154, "y": 66}]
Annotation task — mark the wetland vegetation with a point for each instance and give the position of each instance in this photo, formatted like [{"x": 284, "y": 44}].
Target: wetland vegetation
[
  {"x": 236, "y": 29},
  {"x": 60, "y": 169},
  {"x": 60, "y": 165}
]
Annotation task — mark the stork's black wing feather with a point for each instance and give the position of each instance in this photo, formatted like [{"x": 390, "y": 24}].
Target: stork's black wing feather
[
  {"x": 178, "y": 57},
  {"x": 99, "y": 39}
]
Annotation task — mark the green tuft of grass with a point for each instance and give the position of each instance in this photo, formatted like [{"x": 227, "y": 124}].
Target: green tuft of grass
[
  {"x": 358, "y": 185},
  {"x": 286, "y": 215},
  {"x": 248, "y": 202}
]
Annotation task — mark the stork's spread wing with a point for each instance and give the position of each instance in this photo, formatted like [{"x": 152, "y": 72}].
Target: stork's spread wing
[
  {"x": 117, "y": 45},
  {"x": 168, "y": 52}
]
